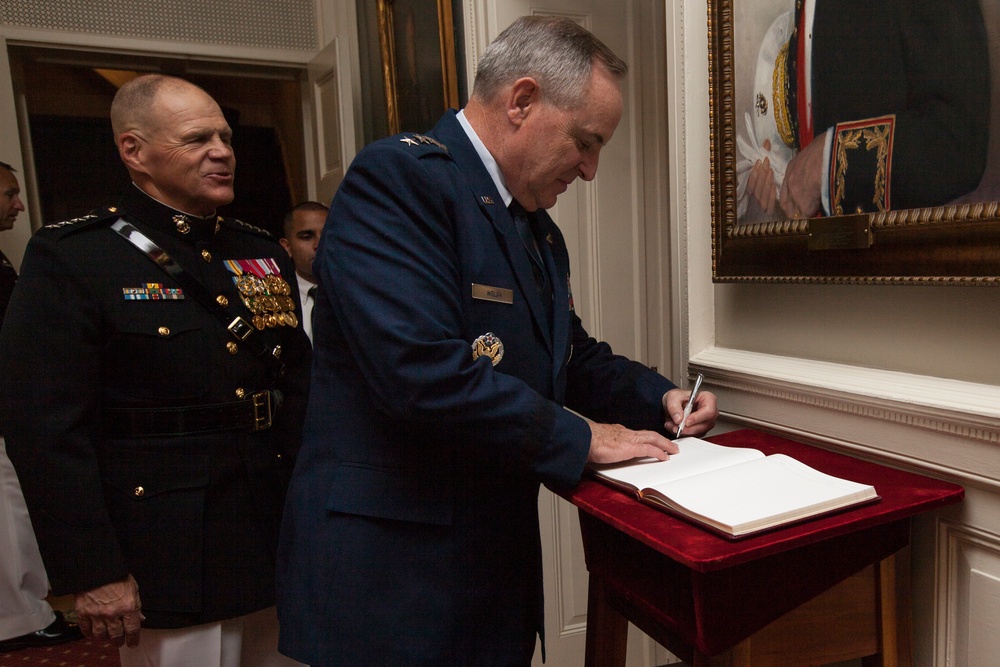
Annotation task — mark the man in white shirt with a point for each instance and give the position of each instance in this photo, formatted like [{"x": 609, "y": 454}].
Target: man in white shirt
[
  {"x": 303, "y": 225},
  {"x": 26, "y": 618}
]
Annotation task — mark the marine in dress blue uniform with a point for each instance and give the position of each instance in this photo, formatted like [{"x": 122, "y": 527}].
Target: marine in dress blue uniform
[{"x": 157, "y": 376}]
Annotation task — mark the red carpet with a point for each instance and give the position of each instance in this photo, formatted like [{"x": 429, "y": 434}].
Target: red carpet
[{"x": 82, "y": 653}]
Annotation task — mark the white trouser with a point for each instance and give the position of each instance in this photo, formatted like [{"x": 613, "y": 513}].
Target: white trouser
[
  {"x": 23, "y": 582},
  {"x": 245, "y": 641}
]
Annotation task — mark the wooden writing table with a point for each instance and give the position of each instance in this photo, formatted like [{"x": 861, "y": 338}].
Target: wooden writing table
[{"x": 812, "y": 593}]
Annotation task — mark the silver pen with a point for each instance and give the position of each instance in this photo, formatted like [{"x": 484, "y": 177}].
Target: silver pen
[{"x": 690, "y": 404}]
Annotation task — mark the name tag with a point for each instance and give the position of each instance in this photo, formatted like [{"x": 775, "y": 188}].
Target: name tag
[{"x": 488, "y": 293}]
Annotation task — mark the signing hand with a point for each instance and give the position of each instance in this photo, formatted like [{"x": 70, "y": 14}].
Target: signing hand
[
  {"x": 112, "y": 611},
  {"x": 702, "y": 418}
]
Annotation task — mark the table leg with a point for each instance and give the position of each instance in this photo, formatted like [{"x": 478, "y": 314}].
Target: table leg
[{"x": 607, "y": 629}]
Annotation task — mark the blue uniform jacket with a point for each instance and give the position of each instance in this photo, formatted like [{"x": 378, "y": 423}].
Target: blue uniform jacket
[{"x": 411, "y": 528}]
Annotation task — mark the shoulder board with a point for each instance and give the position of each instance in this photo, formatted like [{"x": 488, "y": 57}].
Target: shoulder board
[
  {"x": 86, "y": 221},
  {"x": 420, "y": 141},
  {"x": 245, "y": 226}
]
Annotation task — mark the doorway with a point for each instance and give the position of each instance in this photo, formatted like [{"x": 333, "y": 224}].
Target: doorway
[{"x": 66, "y": 100}]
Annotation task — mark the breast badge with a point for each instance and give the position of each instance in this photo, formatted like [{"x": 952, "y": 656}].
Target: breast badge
[
  {"x": 264, "y": 292},
  {"x": 488, "y": 345}
]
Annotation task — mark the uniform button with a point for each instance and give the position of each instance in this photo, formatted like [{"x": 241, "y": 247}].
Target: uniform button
[
  {"x": 139, "y": 492},
  {"x": 231, "y": 346},
  {"x": 241, "y": 392},
  {"x": 206, "y": 255},
  {"x": 164, "y": 331},
  {"x": 277, "y": 352},
  {"x": 222, "y": 300}
]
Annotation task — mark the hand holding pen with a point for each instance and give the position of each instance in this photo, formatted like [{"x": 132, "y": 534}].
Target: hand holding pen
[{"x": 701, "y": 404}]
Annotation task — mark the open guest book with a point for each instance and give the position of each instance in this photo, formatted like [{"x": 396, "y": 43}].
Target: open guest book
[{"x": 734, "y": 491}]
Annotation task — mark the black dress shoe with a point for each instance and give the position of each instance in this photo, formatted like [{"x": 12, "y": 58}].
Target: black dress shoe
[{"x": 56, "y": 632}]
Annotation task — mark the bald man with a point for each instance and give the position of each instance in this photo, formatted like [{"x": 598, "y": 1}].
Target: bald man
[{"x": 158, "y": 374}]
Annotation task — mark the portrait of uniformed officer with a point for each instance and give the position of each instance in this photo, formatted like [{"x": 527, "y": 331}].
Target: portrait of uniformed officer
[{"x": 155, "y": 375}]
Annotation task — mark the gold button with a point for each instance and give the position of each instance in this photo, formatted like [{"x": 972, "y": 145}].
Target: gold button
[
  {"x": 113, "y": 209},
  {"x": 241, "y": 392},
  {"x": 231, "y": 346},
  {"x": 139, "y": 492},
  {"x": 206, "y": 255},
  {"x": 164, "y": 331},
  {"x": 222, "y": 300},
  {"x": 277, "y": 352}
]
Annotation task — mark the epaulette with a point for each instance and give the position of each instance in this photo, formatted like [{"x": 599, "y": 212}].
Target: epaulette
[
  {"x": 92, "y": 218},
  {"x": 418, "y": 141},
  {"x": 246, "y": 226}
]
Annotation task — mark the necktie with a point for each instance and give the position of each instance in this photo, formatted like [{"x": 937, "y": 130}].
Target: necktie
[
  {"x": 312, "y": 293},
  {"x": 523, "y": 221}
]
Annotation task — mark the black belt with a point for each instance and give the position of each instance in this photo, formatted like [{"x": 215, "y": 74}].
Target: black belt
[{"x": 255, "y": 413}]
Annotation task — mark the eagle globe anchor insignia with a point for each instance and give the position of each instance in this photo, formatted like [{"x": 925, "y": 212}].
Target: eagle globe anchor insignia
[{"x": 488, "y": 345}]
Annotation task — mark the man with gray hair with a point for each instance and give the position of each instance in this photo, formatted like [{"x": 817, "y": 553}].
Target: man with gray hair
[{"x": 446, "y": 347}]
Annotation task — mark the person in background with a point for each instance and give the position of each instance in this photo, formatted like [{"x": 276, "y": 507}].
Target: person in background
[
  {"x": 26, "y": 618},
  {"x": 303, "y": 225},
  {"x": 155, "y": 378},
  {"x": 446, "y": 347}
]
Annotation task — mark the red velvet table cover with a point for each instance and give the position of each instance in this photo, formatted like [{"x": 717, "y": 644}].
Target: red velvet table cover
[{"x": 710, "y": 592}]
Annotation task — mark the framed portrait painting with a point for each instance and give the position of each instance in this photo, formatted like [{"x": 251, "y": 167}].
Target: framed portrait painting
[
  {"x": 417, "y": 44},
  {"x": 855, "y": 141}
]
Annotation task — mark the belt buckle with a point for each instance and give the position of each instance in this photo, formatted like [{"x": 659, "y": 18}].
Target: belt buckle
[
  {"x": 261, "y": 410},
  {"x": 240, "y": 328}
]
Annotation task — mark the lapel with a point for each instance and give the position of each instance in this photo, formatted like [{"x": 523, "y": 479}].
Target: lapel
[
  {"x": 557, "y": 263},
  {"x": 449, "y": 132}
]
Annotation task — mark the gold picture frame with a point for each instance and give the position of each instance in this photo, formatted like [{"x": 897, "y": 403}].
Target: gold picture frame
[
  {"x": 417, "y": 45},
  {"x": 954, "y": 243}
]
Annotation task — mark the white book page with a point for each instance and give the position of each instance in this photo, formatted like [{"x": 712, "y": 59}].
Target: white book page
[
  {"x": 765, "y": 492},
  {"x": 696, "y": 456}
]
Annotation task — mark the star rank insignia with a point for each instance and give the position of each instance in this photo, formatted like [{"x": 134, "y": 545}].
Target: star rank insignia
[{"x": 415, "y": 139}]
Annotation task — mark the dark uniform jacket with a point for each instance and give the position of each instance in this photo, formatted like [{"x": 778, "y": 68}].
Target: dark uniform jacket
[
  {"x": 125, "y": 407},
  {"x": 411, "y": 528},
  {"x": 8, "y": 278}
]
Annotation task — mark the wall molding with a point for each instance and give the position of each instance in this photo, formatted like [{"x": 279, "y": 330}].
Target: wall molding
[{"x": 899, "y": 418}]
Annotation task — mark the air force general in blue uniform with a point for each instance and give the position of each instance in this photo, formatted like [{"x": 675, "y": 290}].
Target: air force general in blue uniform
[{"x": 442, "y": 362}]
